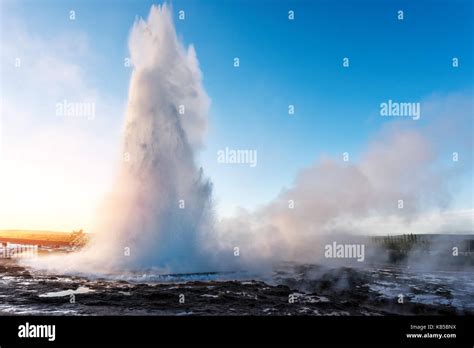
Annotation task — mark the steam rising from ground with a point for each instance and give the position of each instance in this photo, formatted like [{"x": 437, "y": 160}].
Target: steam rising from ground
[{"x": 333, "y": 200}]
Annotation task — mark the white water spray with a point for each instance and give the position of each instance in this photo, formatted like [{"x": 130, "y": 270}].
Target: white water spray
[{"x": 159, "y": 208}]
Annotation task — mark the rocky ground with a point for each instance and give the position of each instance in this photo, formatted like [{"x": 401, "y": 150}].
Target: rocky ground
[{"x": 292, "y": 290}]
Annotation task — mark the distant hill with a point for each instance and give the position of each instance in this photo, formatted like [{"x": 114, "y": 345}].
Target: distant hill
[{"x": 44, "y": 238}]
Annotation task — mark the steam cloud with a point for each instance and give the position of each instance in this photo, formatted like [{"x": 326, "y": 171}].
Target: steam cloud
[
  {"x": 336, "y": 200},
  {"x": 160, "y": 204}
]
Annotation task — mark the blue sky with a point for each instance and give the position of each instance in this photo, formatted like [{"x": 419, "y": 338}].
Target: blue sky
[{"x": 282, "y": 62}]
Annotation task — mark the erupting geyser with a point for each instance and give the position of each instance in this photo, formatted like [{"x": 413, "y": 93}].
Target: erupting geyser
[
  {"x": 159, "y": 208},
  {"x": 160, "y": 205}
]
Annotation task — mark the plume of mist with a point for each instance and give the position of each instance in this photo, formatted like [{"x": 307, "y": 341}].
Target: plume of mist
[
  {"x": 159, "y": 207},
  {"x": 333, "y": 200}
]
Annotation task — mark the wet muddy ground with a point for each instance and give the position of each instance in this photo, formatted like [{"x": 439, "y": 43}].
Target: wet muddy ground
[{"x": 291, "y": 290}]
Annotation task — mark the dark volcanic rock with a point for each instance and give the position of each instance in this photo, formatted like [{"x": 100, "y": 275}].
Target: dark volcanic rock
[{"x": 300, "y": 290}]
